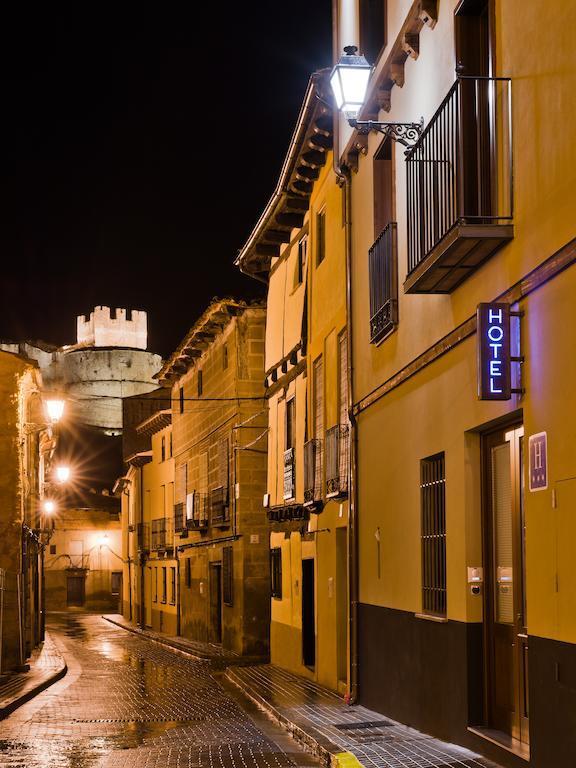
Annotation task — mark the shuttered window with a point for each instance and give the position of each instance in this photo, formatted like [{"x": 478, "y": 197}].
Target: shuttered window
[
  {"x": 318, "y": 383},
  {"x": 223, "y": 465},
  {"x": 180, "y": 500},
  {"x": 343, "y": 378},
  {"x": 227, "y": 575},
  {"x": 172, "y": 586},
  {"x": 188, "y": 571},
  {"x": 433, "y": 534},
  {"x": 276, "y": 572}
]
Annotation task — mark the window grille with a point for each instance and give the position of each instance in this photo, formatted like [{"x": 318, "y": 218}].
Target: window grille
[
  {"x": 172, "y": 586},
  {"x": 320, "y": 237},
  {"x": 188, "y": 571},
  {"x": 433, "y": 534},
  {"x": 312, "y": 469},
  {"x": 179, "y": 517}
]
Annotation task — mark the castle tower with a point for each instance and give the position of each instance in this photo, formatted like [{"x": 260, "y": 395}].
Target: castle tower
[{"x": 120, "y": 328}]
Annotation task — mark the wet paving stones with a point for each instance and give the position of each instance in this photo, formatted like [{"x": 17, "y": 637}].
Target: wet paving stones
[{"x": 129, "y": 702}]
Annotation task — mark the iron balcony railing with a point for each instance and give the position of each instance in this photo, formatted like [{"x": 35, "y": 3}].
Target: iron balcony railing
[
  {"x": 162, "y": 533},
  {"x": 337, "y": 460},
  {"x": 79, "y": 562},
  {"x": 312, "y": 472},
  {"x": 383, "y": 260},
  {"x": 219, "y": 507},
  {"x": 460, "y": 169},
  {"x": 289, "y": 474},
  {"x": 200, "y": 516},
  {"x": 143, "y": 536}
]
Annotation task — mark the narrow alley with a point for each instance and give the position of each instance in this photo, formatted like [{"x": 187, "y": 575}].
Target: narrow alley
[{"x": 126, "y": 701}]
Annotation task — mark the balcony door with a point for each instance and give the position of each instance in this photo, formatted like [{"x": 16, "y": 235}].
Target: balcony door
[{"x": 505, "y": 593}]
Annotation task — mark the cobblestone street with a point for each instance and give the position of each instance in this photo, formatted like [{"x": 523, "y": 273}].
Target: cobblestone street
[{"x": 126, "y": 701}]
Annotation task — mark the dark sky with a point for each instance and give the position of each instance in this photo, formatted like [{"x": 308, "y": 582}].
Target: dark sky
[{"x": 131, "y": 173}]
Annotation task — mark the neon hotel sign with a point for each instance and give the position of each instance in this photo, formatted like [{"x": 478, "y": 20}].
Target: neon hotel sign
[{"x": 493, "y": 328}]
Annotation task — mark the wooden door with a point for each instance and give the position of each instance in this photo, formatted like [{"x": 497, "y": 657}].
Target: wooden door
[
  {"x": 216, "y": 602},
  {"x": 505, "y": 595},
  {"x": 308, "y": 614},
  {"x": 75, "y": 590}
]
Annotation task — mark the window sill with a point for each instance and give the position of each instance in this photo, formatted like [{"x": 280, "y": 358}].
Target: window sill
[{"x": 431, "y": 617}]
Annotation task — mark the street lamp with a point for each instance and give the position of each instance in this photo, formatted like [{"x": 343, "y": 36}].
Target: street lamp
[
  {"x": 62, "y": 473},
  {"x": 349, "y": 81},
  {"x": 49, "y": 506},
  {"x": 103, "y": 540},
  {"x": 54, "y": 409}
]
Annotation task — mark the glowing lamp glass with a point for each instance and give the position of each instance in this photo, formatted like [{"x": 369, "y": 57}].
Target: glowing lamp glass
[
  {"x": 62, "y": 474},
  {"x": 103, "y": 540},
  {"x": 55, "y": 409},
  {"x": 349, "y": 81},
  {"x": 49, "y": 506}
]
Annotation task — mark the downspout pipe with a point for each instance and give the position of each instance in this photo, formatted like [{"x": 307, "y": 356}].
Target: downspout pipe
[
  {"x": 343, "y": 174},
  {"x": 142, "y": 556}
]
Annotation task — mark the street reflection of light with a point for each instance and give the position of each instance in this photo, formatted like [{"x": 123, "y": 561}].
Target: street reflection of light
[{"x": 62, "y": 473}]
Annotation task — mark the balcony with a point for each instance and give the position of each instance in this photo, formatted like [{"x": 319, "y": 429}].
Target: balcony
[
  {"x": 219, "y": 507},
  {"x": 143, "y": 536},
  {"x": 312, "y": 473},
  {"x": 383, "y": 261},
  {"x": 459, "y": 177},
  {"x": 337, "y": 461},
  {"x": 200, "y": 512},
  {"x": 162, "y": 534},
  {"x": 289, "y": 474}
]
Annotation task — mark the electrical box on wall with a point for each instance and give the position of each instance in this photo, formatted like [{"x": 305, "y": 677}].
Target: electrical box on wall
[{"x": 475, "y": 579}]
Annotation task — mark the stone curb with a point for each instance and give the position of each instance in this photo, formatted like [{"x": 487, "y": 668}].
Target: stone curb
[
  {"x": 311, "y": 739},
  {"x": 177, "y": 648},
  {"x": 31, "y": 693}
]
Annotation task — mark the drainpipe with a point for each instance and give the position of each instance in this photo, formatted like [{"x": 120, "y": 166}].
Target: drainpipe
[
  {"x": 142, "y": 556},
  {"x": 344, "y": 176}
]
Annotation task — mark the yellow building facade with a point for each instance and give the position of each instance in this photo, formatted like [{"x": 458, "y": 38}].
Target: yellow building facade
[
  {"x": 466, "y": 617},
  {"x": 299, "y": 245},
  {"x": 150, "y": 589}
]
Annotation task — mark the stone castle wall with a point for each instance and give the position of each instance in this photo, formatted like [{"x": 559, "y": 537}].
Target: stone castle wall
[{"x": 123, "y": 329}]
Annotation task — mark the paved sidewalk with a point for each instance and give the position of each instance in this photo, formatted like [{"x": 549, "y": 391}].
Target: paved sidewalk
[
  {"x": 199, "y": 651},
  {"x": 16, "y": 688},
  {"x": 345, "y": 736}
]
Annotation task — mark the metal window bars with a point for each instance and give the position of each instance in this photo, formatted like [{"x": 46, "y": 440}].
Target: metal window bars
[
  {"x": 337, "y": 460},
  {"x": 433, "y": 534},
  {"x": 312, "y": 472}
]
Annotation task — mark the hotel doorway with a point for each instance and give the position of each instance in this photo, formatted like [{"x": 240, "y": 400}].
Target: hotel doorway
[{"x": 506, "y": 638}]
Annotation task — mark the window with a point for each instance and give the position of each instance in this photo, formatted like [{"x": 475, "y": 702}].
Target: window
[
  {"x": 163, "y": 449},
  {"x": 172, "y": 586},
  {"x": 301, "y": 261},
  {"x": 225, "y": 357},
  {"x": 383, "y": 189},
  {"x": 433, "y": 534},
  {"x": 155, "y": 584},
  {"x": 227, "y": 575},
  {"x": 199, "y": 383},
  {"x": 188, "y": 571},
  {"x": 383, "y": 261},
  {"x": 290, "y": 423},
  {"x": 163, "y": 584},
  {"x": 320, "y": 237},
  {"x": 343, "y": 378},
  {"x": 318, "y": 384},
  {"x": 171, "y": 453},
  {"x": 181, "y": 399},
  {"x": 276, "y": 572},
  {"x": 289, "y": 457},
  {"x": 52, "y": 549},
  {"x": 372, "y": 28}
]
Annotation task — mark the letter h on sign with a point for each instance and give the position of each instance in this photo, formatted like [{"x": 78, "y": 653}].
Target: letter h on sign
[{"x": 493, "y": 329}]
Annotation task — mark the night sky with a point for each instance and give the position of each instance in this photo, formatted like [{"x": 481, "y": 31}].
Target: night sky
[{"x": 132, "y": 173}]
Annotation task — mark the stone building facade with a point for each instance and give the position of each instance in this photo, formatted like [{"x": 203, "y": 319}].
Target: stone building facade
[
  {"x": 26, "y": 447},
  {"x": 219, "y": 429}
]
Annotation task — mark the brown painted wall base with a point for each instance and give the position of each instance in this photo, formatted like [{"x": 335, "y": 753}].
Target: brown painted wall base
[
  {"x": 552, "y": 703},
  {"x": 426, "y": 674}
]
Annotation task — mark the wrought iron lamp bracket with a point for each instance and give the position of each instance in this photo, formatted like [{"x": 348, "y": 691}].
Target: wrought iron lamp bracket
[{"x": 404, "y": 133}]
